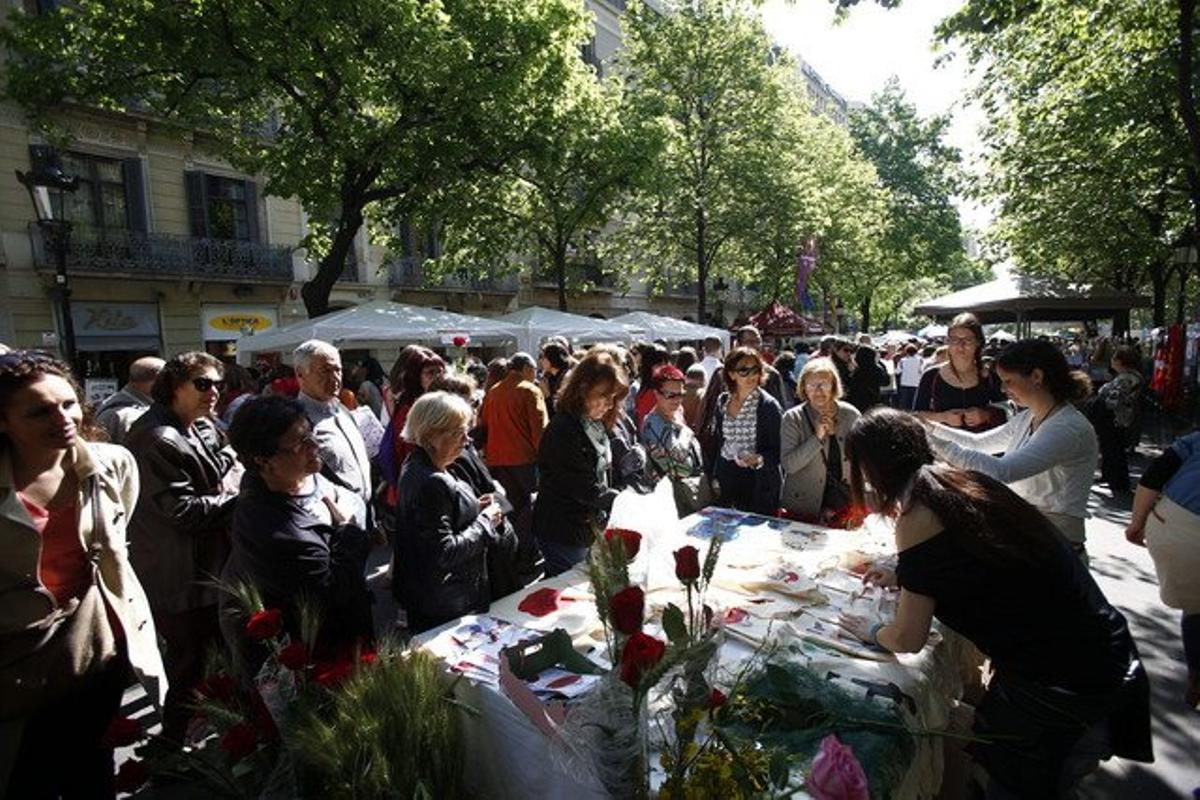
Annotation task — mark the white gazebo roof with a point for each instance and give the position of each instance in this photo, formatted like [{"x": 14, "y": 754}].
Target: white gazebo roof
[{"x": 533, "y": 324}]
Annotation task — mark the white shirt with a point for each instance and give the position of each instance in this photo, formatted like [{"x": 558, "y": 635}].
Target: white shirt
[
  {"x": 910, "y": 370},
  {"x": 710, "y": 364},
  {"x": 1051, "y": 468}
]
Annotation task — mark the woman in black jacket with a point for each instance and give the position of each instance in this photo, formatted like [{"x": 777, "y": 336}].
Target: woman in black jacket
[
  {"x": 443, "y": 530},
  {"x": 297, "y": 537},
  {"x": 574, "y": 459},
  {"x": 745, "y": 466}
]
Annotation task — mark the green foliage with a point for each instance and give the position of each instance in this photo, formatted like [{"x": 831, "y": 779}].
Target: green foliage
[
  {"x": 389, "y": 732},
  {"x": 674, "y": 626},
  {"x": 356, "y": 108}
]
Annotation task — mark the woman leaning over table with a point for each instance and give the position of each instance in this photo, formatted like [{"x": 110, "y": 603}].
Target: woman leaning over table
[
  {"x": 443, "y": 530},
  {"x": 574, "y": 458},
  {"x": 955, "y": 392},
  {"x": 746, "y": 467},
  {"x": 1067, "y": 688},
  {"x": 1048, "y": 450},
  {"x": 1166, "y": 519},
  {"x": 813, "y": 446},
  {"x": 73, "y": 616}
]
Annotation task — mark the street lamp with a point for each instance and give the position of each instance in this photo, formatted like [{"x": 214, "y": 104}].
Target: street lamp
[{"x": 46, "y": 184}]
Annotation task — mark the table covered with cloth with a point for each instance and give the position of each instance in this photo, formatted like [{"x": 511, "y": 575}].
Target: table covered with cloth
[{"x": 777, "y": 582}]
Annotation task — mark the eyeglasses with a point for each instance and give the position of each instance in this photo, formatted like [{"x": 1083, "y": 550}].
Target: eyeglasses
[
  {"x": 746, "y": 372},
  {"x": 824, "y": 386},
  {"x": 204, "y": 384},
  {"x": 960, "y": 341},
  {"x": 671, "y": 395},
  {"x": 307, "y": 440}
]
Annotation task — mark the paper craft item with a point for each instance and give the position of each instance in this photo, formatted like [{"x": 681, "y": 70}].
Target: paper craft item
[
  {"x": 543, "y": 601},
  {"x": 370, "y": 427},
  {"x": 827, "y": 633}
]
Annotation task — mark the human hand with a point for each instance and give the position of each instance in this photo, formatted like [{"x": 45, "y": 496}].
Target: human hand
[
  {"x": 859, "y": 625},
  {"x": 486, "y": 500},
  {"x": 952, "y": 418},
  {"x": 335, "y": 513},
  {"x": 1135, "y": 533},
  {"x": 974, "y": 417},
  {"x": 880, "y": 576}
]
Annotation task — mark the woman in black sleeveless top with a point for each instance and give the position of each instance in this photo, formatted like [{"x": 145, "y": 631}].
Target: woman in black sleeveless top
[{"x": 1068, "y": 686}]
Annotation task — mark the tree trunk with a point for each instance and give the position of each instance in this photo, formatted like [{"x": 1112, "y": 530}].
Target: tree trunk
[
  {"x": 1185, "y": 94},
  {"x": 701, "y": 265},
  {"x": 864, "y": 311},
  {"x": 1158, "y": 283},
  {"x": 316, "y": 291},
  {"x": 1185, "y": 272},
  {"x": 560, "y": 275}
]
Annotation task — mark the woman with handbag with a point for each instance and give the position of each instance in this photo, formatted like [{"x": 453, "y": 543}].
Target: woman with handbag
[
  {"x": 672, "y": 449},
  {"x": 813, "y": 446},
  {"x": 73, "y": 618},
  {"x": 745, "y": 468}
]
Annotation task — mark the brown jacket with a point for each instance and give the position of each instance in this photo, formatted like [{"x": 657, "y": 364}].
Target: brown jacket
[
  {"x": 513, "y": 417},
  {"x": 26, "y": 604}
]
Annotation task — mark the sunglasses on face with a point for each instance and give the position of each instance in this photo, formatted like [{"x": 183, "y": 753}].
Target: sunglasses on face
[
  {"x": 746, "y": 372},
  {"x": 671, "y": 395},
  {"x": 204, "y": 384}
]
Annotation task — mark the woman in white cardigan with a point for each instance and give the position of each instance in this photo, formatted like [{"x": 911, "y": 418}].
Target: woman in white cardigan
[
  {"x": 812, "y": 439},
  {"x": 1048, "y": 451}
]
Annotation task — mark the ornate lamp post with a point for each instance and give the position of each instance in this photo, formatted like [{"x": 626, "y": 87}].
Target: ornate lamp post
[{"x": 47, "y": 186}]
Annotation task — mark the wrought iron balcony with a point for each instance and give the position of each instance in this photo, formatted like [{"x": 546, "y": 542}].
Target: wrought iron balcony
[
  {"x": 409, "y": 273},
  {"x": 577, "y": 272},
  {"x": 124, "y": 252}
]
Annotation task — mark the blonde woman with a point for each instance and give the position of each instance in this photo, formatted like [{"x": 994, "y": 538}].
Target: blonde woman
[{"x": 813, "y": 449}]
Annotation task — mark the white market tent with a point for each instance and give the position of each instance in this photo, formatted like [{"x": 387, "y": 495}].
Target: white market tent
[
  {"x": 380, "y": 324},
  {"x": 933, "y": 331},
  {"x": 535, "y": 323},
  {"x": 668, "y": 328}
]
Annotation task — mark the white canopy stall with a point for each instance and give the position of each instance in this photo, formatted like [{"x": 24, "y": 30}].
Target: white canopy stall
[
  {"x": 380, "y": 324},
  {"x": 536, "y": 323},
  {"x": 669, "y": 328}
]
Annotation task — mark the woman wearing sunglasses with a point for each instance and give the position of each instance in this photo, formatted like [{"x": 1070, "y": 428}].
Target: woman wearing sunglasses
[
  {"x": 816, "y": 472},
  {"x": 179, "y": 532},
  {"x": 672, "y": 450},
  {"x": 746, "y": 466}
]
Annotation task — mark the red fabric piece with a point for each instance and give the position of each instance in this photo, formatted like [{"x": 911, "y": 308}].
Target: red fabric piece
[
  {"x": 63, "y": 565},
  {"x": 541, "y": 602}
]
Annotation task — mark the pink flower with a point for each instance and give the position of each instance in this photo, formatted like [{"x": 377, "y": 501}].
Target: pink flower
[{"x": 836, "y": 773}]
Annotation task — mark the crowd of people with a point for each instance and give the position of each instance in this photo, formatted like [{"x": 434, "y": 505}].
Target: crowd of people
[{"x": 484, "y": 478}]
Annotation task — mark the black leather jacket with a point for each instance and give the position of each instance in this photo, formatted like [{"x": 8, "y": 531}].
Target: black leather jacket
[
  {"x": 441, "y": 545},
  {"x": 179, "y": 532},
  {"x": 574, "y": 497}
]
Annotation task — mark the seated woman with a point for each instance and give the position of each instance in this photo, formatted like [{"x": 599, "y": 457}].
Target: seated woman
[
  {"x": 1049, "y": 449},
  {"x": 813, "y": 447},
  {"x": 1068, "y": 687},
  {"x": 297, "y": 537},
  {"x": 745, "y": 468},
  {"x": 574, "y": 457},
  {"x": 955, "y": 392},
  {"x": 672, "y": 449},
  {"x": 443, "y": 529}
]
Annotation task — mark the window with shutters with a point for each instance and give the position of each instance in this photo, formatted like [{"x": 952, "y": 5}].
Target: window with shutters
[
  {"x": 228, "y": 210},
  {"x": 100, "y": 202}
]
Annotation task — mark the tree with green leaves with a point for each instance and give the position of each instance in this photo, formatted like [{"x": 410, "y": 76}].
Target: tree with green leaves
[
  {"x": 552, "y": 204},
  {"x": 923, "y": 236},
  {"x": 355, "y": 108}
]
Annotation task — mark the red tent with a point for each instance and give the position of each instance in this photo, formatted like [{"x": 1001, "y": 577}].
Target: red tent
[{"x": 779, "y": 320}]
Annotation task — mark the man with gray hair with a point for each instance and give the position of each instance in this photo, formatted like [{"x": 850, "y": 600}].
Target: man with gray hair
[
  {"x": 120, "y": 411},
  {"x": 344, "y": 459}
]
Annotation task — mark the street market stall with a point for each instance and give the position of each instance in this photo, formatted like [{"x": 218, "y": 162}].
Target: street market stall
[
  {"x": 779, "y": 320},
  {"x": 668, "y": 328},
  {"x": 535, "y": 324},
  {"x": 380, "y": 324},
  {"x": 776, "y": 591}
]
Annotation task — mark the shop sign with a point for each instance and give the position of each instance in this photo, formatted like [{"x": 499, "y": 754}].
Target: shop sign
[
  {"x": 222, "y": 323},
  {"x": 115, "y": 320},
  {"x": 97, "y": 390}
]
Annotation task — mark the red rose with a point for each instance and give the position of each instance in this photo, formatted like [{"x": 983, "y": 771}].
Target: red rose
[
  {"x": 332, "y": 674},
  {"x": 294, "y": 656},
  {"x": 369, "y": 658},
  {"x": 687, "y": 563},
  {"x": 265, "y": 625},
  {"x": 631, "y": 539},
  {"x": 219, "y": 687},
  {"x": 716, "y": 699},
  {"x": 239, "y": 741},
  {"x": 131, "y": 776},
  {"x": 641, "y": 653},
  {"x": 122, "y": 732},
  {"x": 461, "y": 341},
  {"x": 627, "y": 608}
]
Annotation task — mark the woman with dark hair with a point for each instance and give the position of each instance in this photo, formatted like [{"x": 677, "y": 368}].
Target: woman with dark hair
[
  {"x": 1067, "y": 688},
  {"x": 297, "y": 537},
  {"x": 443, "y": 529},
  {"x": 179, "y": 532},
  {"x": 1048, "y": 450},
  {"x": 866, "y": 379},
  {"x": 671, "y": 448},
  {"x": 653, "y": 356},
  {"x": 746, "y": 438},
  {"x": 371, "y": 380},
  {"x": 73, "y": 616},
  {"x": 1113, "y": 413},
  {"x": 421, "y": 368},
  {"x": 554, "y": 362},
  {"x": 955, "y": 392},
  {"x": 239, "y": 386},
  {"x": 574, "y": 457}
]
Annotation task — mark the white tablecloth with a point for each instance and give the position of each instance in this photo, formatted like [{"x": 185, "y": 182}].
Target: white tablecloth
[{"x": 507, "y": 757}]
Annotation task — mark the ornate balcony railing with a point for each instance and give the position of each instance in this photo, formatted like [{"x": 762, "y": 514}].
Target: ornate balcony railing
[
  {"x": 123, "y": 252},
  {"x": 409, "y": 273}
]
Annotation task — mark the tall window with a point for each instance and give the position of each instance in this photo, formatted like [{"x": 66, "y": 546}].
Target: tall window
[
  {"x": 100, "y": 200},
  {"x": 228, "y": 211}
]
